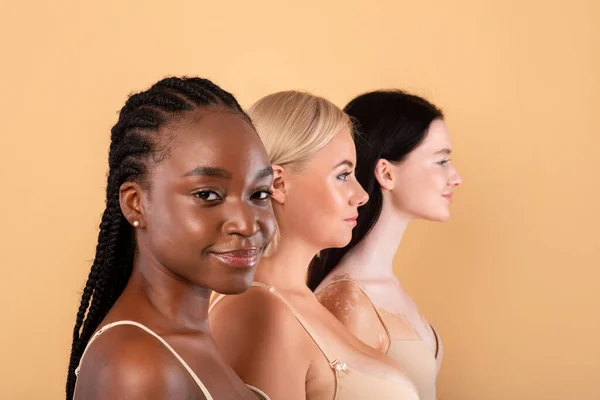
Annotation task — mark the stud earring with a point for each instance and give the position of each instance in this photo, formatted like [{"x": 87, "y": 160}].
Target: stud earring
[{"x": 136, "y": 223}]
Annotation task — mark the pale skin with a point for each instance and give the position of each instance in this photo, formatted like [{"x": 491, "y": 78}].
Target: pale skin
[
  {"x": 420, "y": 187},
  {"x": 256, "y": 332}
]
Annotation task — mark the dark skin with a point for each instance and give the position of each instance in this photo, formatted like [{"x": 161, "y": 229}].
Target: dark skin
[{"x": 210, "y": 195}]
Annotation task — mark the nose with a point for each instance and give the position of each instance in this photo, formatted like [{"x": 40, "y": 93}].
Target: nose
[
  {"x": 359, "y": 197},
  {"x": 455, "y": 178},
  {"x": 242, "y": 220}
]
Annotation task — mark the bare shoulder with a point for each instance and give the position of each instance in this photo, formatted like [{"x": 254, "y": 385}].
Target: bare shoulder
[
  {"x": 256, "y": 316},
  {"x": 258, "y": 335},
  {"x": 126, "y": 362},
  {"x": 347, "y": 302}
]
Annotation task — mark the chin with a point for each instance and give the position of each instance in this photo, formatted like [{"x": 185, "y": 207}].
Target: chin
[
  {"x": 234, "y": 284},
  {"x": 340, "y": 240},
  {"x": 442, "y": 217}
]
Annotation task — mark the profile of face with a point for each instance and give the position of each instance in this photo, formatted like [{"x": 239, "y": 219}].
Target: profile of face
[
  {"x": 205, "y": 215},
  {"x": 424, "y": 182},
  {"x": 321, "y": 201}
]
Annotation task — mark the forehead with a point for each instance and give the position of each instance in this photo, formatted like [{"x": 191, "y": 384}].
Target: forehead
[
  {"x": 214, "y": 138},
  {"x": 437, "y": 137}
]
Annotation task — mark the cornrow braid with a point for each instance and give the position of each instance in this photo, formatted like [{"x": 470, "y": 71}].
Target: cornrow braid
[{"x": 135, "y": 143}]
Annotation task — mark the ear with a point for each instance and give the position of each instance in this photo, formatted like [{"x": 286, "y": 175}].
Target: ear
[
  {"x": 280, "y": 183},
  {"x": 130, "y": 200},
  {"x": 384, "y": 174}
]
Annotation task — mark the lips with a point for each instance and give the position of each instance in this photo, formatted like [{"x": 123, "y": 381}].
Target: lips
[
  {"x": 351, "y": 220},
  {"x": 239, "y": 258},
  {"x": 448, "y": 196}
]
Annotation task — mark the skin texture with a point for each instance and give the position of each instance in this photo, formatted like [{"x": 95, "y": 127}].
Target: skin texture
[
  {"x": 255, "y": 331},
  {"x": 416, "y": 188},
  {"x": 419, "y": 183},
  {"x": 186, "y": 213},
  {"x": 352, "y": 308}
]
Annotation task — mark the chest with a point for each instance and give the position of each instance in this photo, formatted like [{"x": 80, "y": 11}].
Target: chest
[
  {"x": 205, "y": 362},
  {"x": 400, "y": 313}
]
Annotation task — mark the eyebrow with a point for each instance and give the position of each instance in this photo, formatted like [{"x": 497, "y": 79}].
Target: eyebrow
[
  {"x": 345, "y": 162},
  {"x": 209, "y": 171},
  {"x": 224, "y": 174},
  {"x": 444, "y": 151},
  {"x": 264, "y": 173}
]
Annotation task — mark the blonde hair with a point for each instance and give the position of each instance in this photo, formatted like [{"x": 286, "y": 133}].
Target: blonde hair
[{"x": 293, "y": 126}]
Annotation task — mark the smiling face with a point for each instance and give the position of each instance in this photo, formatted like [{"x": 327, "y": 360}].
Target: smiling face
[
  {"x": 207, "y": 209},
  {"x": 426, "y": 178},
  {"x": 322, "y": 200}
]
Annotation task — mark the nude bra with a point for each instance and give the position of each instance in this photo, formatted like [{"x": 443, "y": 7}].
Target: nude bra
[
  {"x": 413, "y": 354},
  {"x": 349, "y": 383}
]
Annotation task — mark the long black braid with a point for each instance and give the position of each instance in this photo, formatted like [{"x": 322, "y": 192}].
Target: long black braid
[{"x": 135, "y": 144}]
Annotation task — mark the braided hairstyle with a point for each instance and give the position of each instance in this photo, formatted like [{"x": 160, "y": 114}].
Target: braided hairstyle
[
  {"x": 136, "y": 143},
  {"x": 389, "y": 124}
]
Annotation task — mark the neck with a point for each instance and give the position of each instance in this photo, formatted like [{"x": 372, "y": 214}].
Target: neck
[
  {"x": 287, "y": 268},
  {"x": 173, "y": 297},
  {"x": 374, "y": 255}
]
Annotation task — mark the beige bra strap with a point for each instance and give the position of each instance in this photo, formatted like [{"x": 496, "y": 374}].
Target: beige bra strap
[
  {"x": 214, "y": 301},
  {"x": 259, "y": 393},
  {"x": 387, "y": 331},
  {"x": 160, "y": 339},
  {"x": 332, "y": 361}
]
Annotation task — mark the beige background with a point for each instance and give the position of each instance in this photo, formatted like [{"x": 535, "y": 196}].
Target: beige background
[{"x": 512, "y": 282}]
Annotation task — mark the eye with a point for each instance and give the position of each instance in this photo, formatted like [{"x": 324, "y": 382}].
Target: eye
[
  {"x": 444, "y": 162},
  {"x": 344, "y": 176},
  {"x": 208, "y": 195},
  {"x": 262, "y": 194}
]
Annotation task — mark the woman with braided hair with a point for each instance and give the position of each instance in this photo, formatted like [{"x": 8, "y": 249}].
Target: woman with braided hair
[{"x": 187, "y": 212}]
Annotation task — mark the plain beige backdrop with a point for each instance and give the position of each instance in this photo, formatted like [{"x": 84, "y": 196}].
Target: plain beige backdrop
[{"x": 512, "y": 283}]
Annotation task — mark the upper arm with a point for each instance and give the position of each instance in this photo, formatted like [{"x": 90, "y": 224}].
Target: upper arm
[
  {"x": 260, "y": 339},
  {"x": 352, "y": 308},
  {"x": 132, "y": 369}
]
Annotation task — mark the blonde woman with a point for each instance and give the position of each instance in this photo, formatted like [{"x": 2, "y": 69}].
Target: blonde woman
[
  {"x": 404, "y": 164},
  {"x": 277, "y": 336}
]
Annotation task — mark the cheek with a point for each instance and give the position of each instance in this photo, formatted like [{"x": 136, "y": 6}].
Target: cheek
[
  {"x": 317, "y": 207},
  {"x": 328, "y": 200},
  {"x": 178, "y": 226},
  {"x": 267, "y": 223},
  {"x": 310, "y": 203},
  {"x": 330, "y": 207},
  {"x": 414, "y": 188},
  {"x": 420, "y": 194}
]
